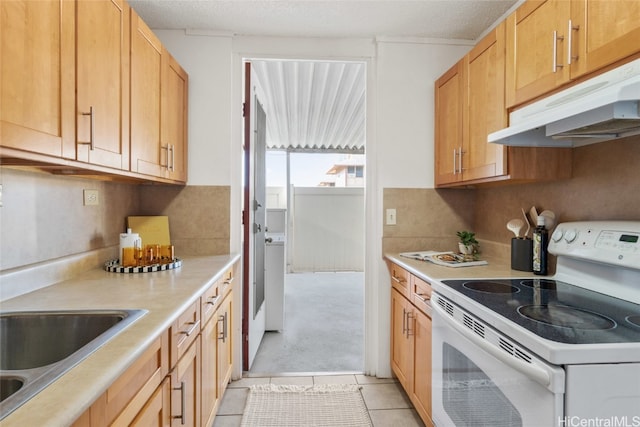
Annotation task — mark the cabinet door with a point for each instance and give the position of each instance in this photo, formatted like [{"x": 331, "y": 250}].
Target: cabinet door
[
  {"x": 603, "y": 33},
  {"x": 209, "y": 370},
  {"x": 402, "y": 339},
  {"x": 422, "y": 368},
  {"x": 155, "y": 412},
  {"x": 536, "y": 49},
  {"x": 37, "y": 77},
  {"x": 175, "y": 82},
  {"x": 225, "y": 357},
  {"x": 102, "y": 42},
  {"x": 449, "y": 99},
  {"x": 185, "y": 388},
  {"x": 485, "y": 108},
  {"x": 146, "y": 65}
]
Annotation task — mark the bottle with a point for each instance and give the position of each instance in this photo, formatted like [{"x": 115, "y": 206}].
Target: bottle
[{"x": 540, "y": 242}]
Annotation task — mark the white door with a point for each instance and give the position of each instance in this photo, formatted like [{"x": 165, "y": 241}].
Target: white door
[{"x": 253, "y": 291}]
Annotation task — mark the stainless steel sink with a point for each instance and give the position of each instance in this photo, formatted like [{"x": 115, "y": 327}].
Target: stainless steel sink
[{"x": 37, "y": 347}]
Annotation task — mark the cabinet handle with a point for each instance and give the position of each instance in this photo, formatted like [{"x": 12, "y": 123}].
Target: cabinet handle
[
  {"x": 556, "y": 37},
  {"x": 460, "y": 153},
  {"x": 398, "y": 280},
  {"x": 410, "y": 316},
  {"x": 424, "y": 297},
  {"x": 193, "y": 327},
  {"x": 213, "y": 300},
  {"x": 455, "y": 155},
  {"x": 183, "y": 403},
  {"x": 172, "y": 149},
  {"x": 166, "y": 148},
  {"x": 90, "y": 143},
  {"x": 570, "y": 31},
  {"x": 223, "y": 335},
  {"x": 404, "y": 321}
]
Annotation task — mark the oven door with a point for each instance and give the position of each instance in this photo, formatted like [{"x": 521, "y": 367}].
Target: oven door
[{"x": 481, "y": 378}]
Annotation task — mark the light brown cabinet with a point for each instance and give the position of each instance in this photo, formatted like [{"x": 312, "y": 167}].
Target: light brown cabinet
[
  {"x": 159, "y": 89},
  {"x": 411, "y": 338},
  {"x": 102, "y": 81},
  {"x": 552, "y": 42},
  {"x": 180, "y": 379},
  {"x": 37, "y": 100},
  {"x": 87, "y": 88},
  {"x": 470, "y": 104}
]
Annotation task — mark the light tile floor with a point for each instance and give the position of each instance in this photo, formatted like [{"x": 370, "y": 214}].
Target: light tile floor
[{"x": 387, "y": 402}]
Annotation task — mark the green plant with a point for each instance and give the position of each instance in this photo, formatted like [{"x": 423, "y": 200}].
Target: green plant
[{"x": 467, "y": 237}]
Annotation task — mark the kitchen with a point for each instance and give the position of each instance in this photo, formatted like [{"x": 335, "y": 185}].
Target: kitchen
[{"x": 400, "y": 151}]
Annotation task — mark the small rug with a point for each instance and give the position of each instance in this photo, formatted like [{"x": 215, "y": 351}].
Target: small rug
[{"x": 325, "y": 405}]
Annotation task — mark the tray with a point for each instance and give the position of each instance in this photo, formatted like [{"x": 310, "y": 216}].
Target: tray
[{"x": 115, "y": 267}]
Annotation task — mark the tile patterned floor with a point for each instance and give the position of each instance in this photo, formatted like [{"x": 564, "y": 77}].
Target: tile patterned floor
[{"x": 387, "y": 402}]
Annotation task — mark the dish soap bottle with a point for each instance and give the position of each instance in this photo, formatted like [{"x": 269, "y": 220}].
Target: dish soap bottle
[{"x": 540, "y": 242}]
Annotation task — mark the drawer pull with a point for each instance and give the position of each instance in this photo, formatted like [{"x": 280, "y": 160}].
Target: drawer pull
[
  {"x": 398, "y": 280},
  {"x": 213, "y": 300},
  {"x": 193, "y": 327},
  {"x": 423, "y": 297}
]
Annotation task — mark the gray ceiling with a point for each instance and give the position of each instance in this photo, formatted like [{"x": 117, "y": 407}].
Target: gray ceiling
[{"x": 317, "y": 106}]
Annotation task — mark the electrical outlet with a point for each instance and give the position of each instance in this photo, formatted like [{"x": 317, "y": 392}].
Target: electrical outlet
[
  {"x": 391, "y": 217},
  {"x": 91, "y": 198}
]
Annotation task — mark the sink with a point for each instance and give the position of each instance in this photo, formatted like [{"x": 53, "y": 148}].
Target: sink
[{"x": 37, "y": 347}]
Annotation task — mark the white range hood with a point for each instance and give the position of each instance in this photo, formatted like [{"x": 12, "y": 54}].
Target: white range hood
[{"x": 600, "y": 109}]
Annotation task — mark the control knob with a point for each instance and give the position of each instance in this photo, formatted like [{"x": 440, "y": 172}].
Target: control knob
[
  {"x": 557, "y": 235},
  {"x": 570, "y": 236}
]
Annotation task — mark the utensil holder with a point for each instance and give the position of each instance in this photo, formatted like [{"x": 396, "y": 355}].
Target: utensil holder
[{"x": 522, "y": 254}]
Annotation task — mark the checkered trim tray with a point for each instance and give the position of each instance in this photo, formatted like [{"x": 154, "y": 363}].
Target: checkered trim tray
[{"x": 115, "y": 267}]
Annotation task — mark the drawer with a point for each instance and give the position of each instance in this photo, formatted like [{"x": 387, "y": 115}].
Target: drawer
[
  {"x": 421, "y": 294},
  {"x": 184, "y": 331},
  {"x": 225, "y": 283},
  {"x": 399, "y": 279},
  {"x": 129, "y": 393},
  {"x": 209, "y": 303}
]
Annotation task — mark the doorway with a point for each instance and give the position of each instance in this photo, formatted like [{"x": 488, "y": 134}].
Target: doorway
[{"x": 341, "y": 95}]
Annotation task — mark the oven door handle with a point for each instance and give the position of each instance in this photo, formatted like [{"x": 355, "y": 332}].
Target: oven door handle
[{"x": 534, "y": 372}]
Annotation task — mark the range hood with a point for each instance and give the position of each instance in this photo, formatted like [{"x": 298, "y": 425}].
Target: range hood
[{"x": 600, "y": 109}]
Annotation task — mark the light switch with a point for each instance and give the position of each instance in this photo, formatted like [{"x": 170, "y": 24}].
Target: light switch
[{"x": 391, "y": 217}]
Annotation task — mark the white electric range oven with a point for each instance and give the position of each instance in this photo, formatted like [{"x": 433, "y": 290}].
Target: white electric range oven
[{"x": 560, "y": 351}]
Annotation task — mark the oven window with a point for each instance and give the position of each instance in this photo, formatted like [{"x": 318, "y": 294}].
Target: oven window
[{"x": 470, "y": 397}]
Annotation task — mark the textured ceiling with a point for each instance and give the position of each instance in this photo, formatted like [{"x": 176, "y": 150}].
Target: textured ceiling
[
  {"x": 449, "y": 19},
  {"x": 320, "y": 106}
]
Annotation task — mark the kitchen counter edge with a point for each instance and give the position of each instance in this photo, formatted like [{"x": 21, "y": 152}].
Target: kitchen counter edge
[{"x": 165, "y": 295}]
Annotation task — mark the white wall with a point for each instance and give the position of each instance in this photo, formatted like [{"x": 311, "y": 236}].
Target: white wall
[{"x": 400, "y": 78}]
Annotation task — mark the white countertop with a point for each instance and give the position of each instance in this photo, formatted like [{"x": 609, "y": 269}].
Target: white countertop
[{"x": 164, "y": 294}]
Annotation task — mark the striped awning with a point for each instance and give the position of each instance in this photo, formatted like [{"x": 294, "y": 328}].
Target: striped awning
[{"x": 313, "y": 106}]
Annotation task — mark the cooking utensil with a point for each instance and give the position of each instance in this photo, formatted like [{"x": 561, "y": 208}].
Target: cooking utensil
[
  {"x": 533, "y": 214},
  {"x": 515, "y": 226},
  {"x": 549, "y": 219},
  {"x": 526, "y": 219}
]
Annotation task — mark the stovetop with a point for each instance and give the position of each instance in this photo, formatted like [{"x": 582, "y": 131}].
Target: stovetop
[{"x": 556, "y": 310}]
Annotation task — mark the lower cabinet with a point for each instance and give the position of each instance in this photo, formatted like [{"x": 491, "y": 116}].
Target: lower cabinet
[
  {"x": 185, "y": 388},
  {"x": 411, "y": 341},
  {"x": 180, "y": 379}
]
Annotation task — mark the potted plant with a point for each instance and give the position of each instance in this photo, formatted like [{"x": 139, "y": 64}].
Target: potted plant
[{"x": 468, "y": 245}]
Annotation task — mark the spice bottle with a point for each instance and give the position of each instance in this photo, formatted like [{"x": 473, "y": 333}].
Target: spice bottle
[{"x": 540, "y": 242}]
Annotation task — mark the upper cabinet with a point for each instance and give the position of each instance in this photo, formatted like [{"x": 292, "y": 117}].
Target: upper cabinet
[
  {"x": 552, "y": 42},
  {"x": 102, "y": 81},
  {"x": 37, "y": 93},
  {"x": 87, "y": 87},
  {"x": 470, "y": 104},
  {"x": 159, "y": 88}
]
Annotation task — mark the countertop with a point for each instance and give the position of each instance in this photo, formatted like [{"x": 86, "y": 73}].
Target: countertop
[
  {"x": 496, "y": 268},
  {"x": 164, "y": 294}
]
